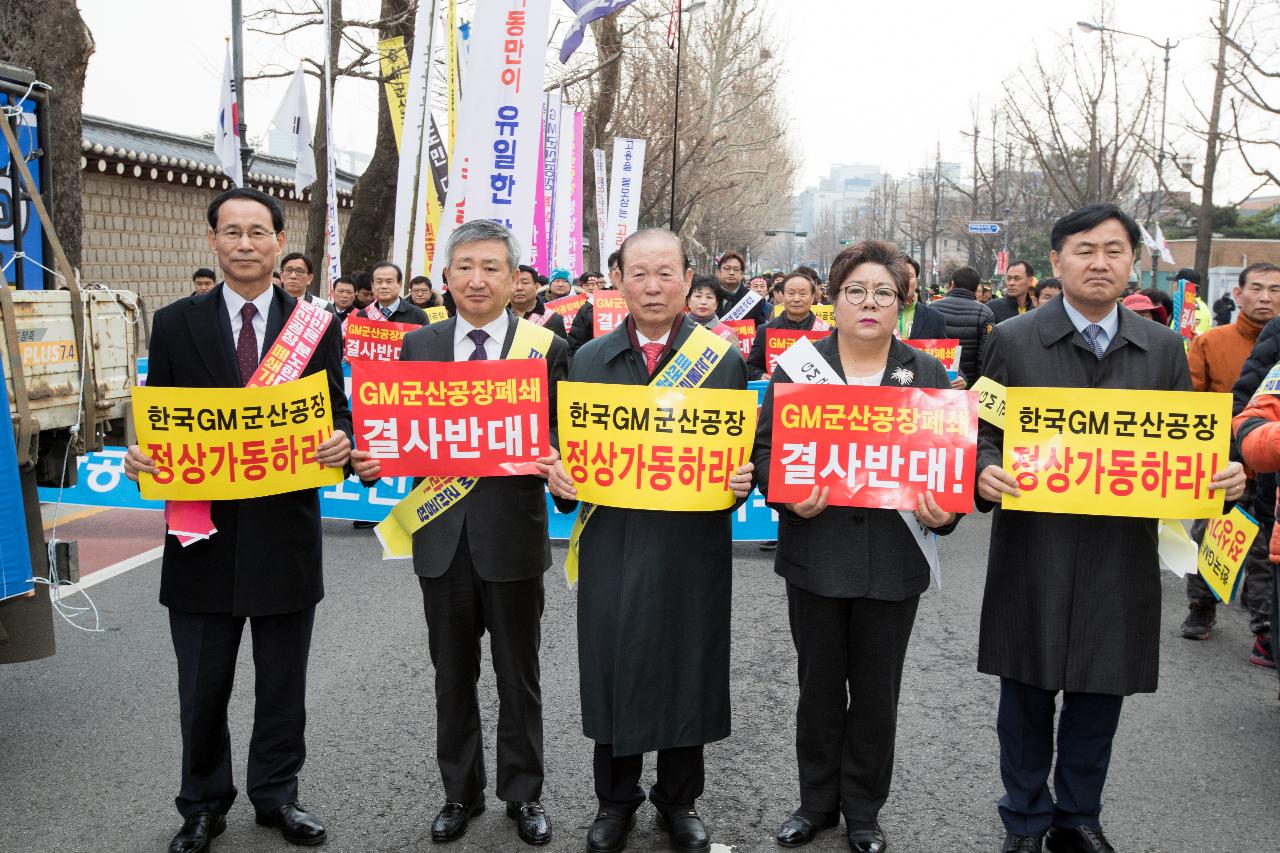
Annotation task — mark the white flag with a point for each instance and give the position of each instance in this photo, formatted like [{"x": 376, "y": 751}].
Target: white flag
[
  {"x": 1148, "y": 240},
  {"x": 226, "y": 136},
  {"x": 292, "y": 118},
  {"x": 1163, "y": 246}
]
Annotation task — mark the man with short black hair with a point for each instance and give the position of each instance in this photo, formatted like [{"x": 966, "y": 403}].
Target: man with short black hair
[
  {"x": 296, "y": 274},
  {"x": 968, "y": 321},
  {"x": 1046, "y": 289},
  {"x": 203, "y": 279},
  {"x": 420, "y": 294},
  {"x": 364, "y": 289},
  {"x": 387, "y": 302},
  {"x": 344, "y": 298},
  {"x": 733, "y": 289},
  {"x": 1017, "y": 296},
  {"x": 527, "y": 304}
]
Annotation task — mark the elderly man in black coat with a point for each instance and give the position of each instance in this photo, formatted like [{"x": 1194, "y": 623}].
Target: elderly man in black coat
[
  {"x": 1072, "y": 602},
  {"x": 655, "y": 586},
  {"x": 264, "y": 562}
]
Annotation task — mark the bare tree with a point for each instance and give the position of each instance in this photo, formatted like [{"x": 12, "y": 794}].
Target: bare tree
[{"x": 1255, "y": 107}]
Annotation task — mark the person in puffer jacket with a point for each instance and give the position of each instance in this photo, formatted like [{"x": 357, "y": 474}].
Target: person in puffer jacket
[{"x": 968, "y": 321}]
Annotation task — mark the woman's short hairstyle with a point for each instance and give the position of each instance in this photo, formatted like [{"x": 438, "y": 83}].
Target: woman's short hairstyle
[{"x": 870, "y": 252}]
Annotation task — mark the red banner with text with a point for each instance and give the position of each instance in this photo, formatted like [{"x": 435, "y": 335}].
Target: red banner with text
[
  {"x": 609, "y": 311},
  {"x": 374, "y": 340},
  {"x": 778, "y": 341}
]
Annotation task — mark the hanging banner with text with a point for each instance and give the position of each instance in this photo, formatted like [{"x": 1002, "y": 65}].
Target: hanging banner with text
[
  {"x": 568, "y": 307},
  {"x": 875, "y": 447},
  {"x": 778, "y": 341},
  {"x": 452, "y": 419},
  {"x": 374, "y": 340},
  {"x": 945, "y": 350},
  {"x": 624, "y": 193},
  {"x": 673, "y": 448},
  {"x": 1223, "y": 549},
  {"x": 566, "y": 230},
  {"x": 235, "y": 442},
  {"x": 1107, "y": 451},
  {"x": 609, "y": 312}
]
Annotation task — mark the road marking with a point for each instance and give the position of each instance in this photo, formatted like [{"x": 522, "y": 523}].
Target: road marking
[
  {"x": 108, "y": 572},
  {"x": 68, "y": 517}
]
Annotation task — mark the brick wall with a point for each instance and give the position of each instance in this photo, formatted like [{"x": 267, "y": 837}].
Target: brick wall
[{"x": 148, "y": 236}]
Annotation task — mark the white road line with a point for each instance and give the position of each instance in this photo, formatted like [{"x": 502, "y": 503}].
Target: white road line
[{"x": 120, "y": 568}]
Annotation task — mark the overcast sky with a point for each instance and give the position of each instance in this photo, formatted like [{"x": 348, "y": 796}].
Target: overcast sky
[{"x": 867, "y": 82}]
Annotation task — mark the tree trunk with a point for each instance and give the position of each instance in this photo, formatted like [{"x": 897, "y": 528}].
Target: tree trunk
[
  {"x": 608, "y": 42},
  {"x": 317, "y": 208},
  {"x": 50, "y": 38},
  {"x": 1212, "y": 148},
  {"x": 368, "y": 237}
]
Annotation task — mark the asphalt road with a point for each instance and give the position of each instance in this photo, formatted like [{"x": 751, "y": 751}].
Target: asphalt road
[{"x": 89, "y": 747}]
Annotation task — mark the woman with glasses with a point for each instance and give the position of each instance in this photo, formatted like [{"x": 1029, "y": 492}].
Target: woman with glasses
[
  {"x": 854, "y": 576},
  {"x": 799, "y": 293}
]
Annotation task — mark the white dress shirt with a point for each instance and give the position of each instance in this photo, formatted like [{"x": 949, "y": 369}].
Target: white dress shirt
[
  {"x": 643, "y": 340},
  {"x": 1110, "y": 324},
  {"x": 235, "y": 302},
  {"x": 463, "y": 346}
]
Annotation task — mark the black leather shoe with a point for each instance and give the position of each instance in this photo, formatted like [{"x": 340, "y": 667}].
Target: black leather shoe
[
  {"x": 867, "y": 841},
  {"x": 1020, "y": 844},
  {"x": 1082, "y": 839},
  {"x": 688, "y": 832},
  {"x": 608, "y": 833},
  {"x": 531, "y": 822},
  {"x": 797, "y": 831},
  {"x": 296, "y": 824},
  {"x": 452, "y": 821},
  {"x": 198, "y": 832}
]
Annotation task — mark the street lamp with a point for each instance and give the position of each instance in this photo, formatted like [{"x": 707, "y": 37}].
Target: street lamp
[
  {"x": 1167, "y": 47},
  {"x": 694, "y": 6}
]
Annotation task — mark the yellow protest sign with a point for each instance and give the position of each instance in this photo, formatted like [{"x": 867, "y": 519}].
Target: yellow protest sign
[
  {"x": 1113, "y": 451},
  {"x": 394, "y": 61},
  {"x": 990, "y": 401},
  {"x": 654, "y": 447},
  {"x": 822, "y": 312},
  {"x": 436, "y": 313},
  {"x": 232, "y": 443},
  {"x": 1222, "y": 551}
]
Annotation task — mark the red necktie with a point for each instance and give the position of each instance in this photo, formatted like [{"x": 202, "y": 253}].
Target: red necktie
[
  {"x": 652, "y": 352},
  {"x": 247, "y": 343}
]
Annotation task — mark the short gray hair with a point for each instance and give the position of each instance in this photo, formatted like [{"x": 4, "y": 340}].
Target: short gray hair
[{"x": 479, "y": 230}]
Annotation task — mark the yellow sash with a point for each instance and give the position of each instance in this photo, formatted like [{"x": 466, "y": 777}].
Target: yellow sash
[
  {"x": 689, "y": 368},
  {"x": 434, "y": 495}
]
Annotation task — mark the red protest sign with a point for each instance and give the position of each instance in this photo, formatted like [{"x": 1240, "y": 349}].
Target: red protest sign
[
  {"x": 568, "y": 306},
  {"x": 609, "y": 312},
  {"x": 374, "y": 340},
  {"x": 452, "y": 419},
  {"x": 875, "y": 447},
  {"x": 1187, "y": 321},
  {"x": 945, "y": 350},
  {"x": 778, "y": 341},
  {"x": 746, "y": 332}
]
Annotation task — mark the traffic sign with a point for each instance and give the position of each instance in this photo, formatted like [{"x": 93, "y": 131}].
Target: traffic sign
[{"x": 984, "y": 227}]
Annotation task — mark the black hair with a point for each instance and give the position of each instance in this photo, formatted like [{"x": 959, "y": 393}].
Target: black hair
[
  {"x": 344, "y": 279},
  {"x": 1046, "y": 283},
  {"x": 1030, "y": 272},
  {"x": 1260, "y": 267},
  {"x": 1088, "y": 217},
  {"x": 249, "y": 193},
  {"x": 1188, "y": 274},
  {"x": 967, "y": 278},
  {"x": 297, "y": 256},
  {"x": 530, "y": 270},
  {"x": 615, "y": 259},
  {"x": 643, "y": 232},
  {"x": 380, "y": 264},
  {"x": 542, "y": 280},
  {"x": 704, "y": 282},
  {"x": 363, "y": 280},
  {"x": 911, "y": 262},
  {"x": 731, "y": 255},
  {"x": 419, "y": 279},
  {"x": 204, "y": 272},
  {"x": 1161, "y": 299}
]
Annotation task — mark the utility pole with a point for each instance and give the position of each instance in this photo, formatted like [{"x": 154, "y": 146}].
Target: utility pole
[{"x": 237, "y": 61}]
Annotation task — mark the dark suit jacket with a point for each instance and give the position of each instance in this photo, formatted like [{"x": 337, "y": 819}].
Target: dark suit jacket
[
  {"x": 1006, "y": 307},
  {"x": 757, "y": 359},
  {"x": 407, "y": 312},
  {"x": 555, "y": 322},
  {"x": 927, "y": 323},
  {"x": 265, "y": 558},
  {"x": 849, "y": 552},
  {"x": 583, "y": 328},
  {"x": 505, "y": 517}
]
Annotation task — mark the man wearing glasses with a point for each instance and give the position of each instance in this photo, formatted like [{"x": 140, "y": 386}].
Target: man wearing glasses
[
  {"x": 729, "y": 269},
  {"x": 296, "y": 274}
]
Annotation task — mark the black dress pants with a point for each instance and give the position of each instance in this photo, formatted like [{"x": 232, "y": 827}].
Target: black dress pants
[
  {"x": 681, "y": 777},
  {"x": 1086, "y": 728},
  {"x": 460, "y": 606},
  {"x": 850, "y": 653},
  {"x": 206, "y": 645}
]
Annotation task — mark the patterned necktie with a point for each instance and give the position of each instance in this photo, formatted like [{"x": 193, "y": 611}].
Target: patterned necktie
[
  {"x": 247, "y": 343},
  {"x": 652, "y": 352},
  {"x": 478, "y": 337},
  {"x": 386, "y": 312},
  {"x": 1093, "y": 333}
]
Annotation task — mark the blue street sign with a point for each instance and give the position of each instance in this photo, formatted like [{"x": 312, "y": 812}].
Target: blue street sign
[{"x": 984, "y": 227}]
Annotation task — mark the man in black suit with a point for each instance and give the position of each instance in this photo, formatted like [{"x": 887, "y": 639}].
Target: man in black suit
[
  {"x": 527, "y": 304},
  {"x": 1017, "y": 293},
  {"x": 480, "y": 564},
  {"x": 387, "y": 299},
  {"x": 264, "y": 562}
]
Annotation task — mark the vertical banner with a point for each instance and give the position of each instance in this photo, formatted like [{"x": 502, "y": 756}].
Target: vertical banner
[
  {"x": 490, "y": 174},
  {"x": 331, "y": 220},
  {"x": 435, "y": 175},
  {"x": 454, "y": 90},
  {"x": 15, "y": 552},
  {"x": 415, "y": 112},
  {"x": 602, "y": 206},
  {"x": 624, "y": 200},
  {"x": 1184, "y": 310},
  {"x": 545, "y": 212},
  {"x": 566, "y": 244},
  {"x": 577, "y": 225},
  {"x": 394, "y": 62}
]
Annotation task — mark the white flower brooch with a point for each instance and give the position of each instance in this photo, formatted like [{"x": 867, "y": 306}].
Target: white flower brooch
[{"x": 903, "y": 376}]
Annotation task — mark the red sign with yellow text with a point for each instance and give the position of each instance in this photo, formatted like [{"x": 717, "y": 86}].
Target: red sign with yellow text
[
  {"x": 452, "y": 419},
  {"x": 945, "y": 350},
  {"x": 609, "y": 311},
  {"x": 374, "y": 340},
  {"x": 568, "y": 306},
  {"x": 876, "y": 447},
  {"x": 746, "y": 331},
  {"x": 778, "y": 341}
]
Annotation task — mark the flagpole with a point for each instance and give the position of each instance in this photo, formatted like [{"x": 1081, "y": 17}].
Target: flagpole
[
  {"x": 675, "y": 114},
  {"x": 237, "y": 61}
]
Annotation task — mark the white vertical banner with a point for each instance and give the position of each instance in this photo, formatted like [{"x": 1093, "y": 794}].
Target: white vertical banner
[
  {"x": 415, "y": 112},
  {"x": 423, "y": 215},
  {"x": 624, "y": 189},
  {"x": 494, "y": 172},
  {"x": 331, "y": 220},
  {"x": 564, "y": 241},
  {"x": 543, "y": 220},
  {"x": 601, "y": 176}
]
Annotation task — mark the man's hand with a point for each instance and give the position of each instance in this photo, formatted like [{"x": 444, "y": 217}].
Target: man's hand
[
  {"x": 366, "y": 467},
  {"x": 959, "y": 383},
  {"x": 335, "y": 451},
  {"x": 740, "y": 482},
  {"x": 1230, "y": 480},
  {"x": 558, "y": 480},
  {"x": 812, "y": 505},
  {"x": 994, "y": 482},
  {"x": 930, "y": 514},
  {"x": 136, "y": 462}
]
